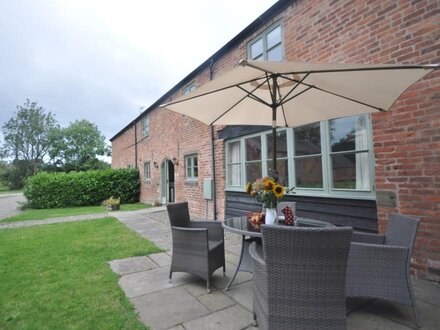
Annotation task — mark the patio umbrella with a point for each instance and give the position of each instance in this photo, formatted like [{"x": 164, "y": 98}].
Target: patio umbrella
[{"x": 290, "y": 94}]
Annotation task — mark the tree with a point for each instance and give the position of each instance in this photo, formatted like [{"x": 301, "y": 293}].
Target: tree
[
  {"x": 26, "y": 134},
  {"x": 26, "y": 141},
  {"x": 77, "y": 146}
]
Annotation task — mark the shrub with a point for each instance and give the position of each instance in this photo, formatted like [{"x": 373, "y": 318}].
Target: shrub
[{"x": 49, "y": 190}]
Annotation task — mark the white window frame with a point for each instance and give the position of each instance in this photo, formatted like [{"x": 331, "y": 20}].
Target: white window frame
[
  {"x": 263, "y": 37},
  {"x": 147, "y": 171},
  {"x": 240, "y": 163},
  {"x": 326, "y": 190},
  {"x": 145, "y": 125},
  {"x": 189, "y": 170}
]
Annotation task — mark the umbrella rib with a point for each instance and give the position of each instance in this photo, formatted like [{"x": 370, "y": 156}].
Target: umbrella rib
[
  {"x": 294, "y": 87},
  {"x": 239, "y": 101},
  {"x": 211, "y": 92},
  {"x": 296, "y": 95},
  {"x": 282, "y": 105},
  {"x": 252, "y": 96}
]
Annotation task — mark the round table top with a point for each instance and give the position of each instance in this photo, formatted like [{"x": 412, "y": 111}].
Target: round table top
[{"x": 242, "y": 226}]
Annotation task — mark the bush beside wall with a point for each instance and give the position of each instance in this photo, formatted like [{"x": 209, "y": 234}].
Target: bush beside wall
[{"x": 49, "y": 190}]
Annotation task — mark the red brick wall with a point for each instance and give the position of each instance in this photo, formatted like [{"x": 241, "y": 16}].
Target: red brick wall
[{"x": 406, "y": 139}]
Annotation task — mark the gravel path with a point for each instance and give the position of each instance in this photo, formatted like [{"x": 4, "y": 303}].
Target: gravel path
[{"x": 9, "y": 204}]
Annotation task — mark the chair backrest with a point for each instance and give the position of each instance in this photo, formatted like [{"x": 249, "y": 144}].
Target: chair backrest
[
  {"x": 178, "y": 214},
  {"x": 306, "y": 270},
  {"x": 402, "y": 231},
  {"x": 282, "y": 205}
]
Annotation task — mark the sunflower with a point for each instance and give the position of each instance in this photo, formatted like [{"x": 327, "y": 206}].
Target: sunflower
[
  {"x": 269, "y": 185},
  {"x": 278, "y": 190},
  {"x": 248, "y": 188}
]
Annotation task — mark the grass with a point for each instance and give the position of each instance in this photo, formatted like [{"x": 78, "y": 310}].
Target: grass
[
  {"x": 40, "y": 214},
  {"x": 57, "y": 276}
]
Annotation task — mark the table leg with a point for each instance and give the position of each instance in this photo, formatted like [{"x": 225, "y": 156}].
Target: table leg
[{"x": 244, "y": 262}]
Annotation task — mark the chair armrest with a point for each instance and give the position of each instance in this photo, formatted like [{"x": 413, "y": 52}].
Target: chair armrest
[
  {"x": 215, "y": 229},
  {"x": 367, "y": 238},
  {"x": 192, "y": 240},
  {"x": 376, "y": 255}
]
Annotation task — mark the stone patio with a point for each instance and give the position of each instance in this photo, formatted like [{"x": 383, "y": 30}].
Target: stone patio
[{"x": 184, "y": 303}]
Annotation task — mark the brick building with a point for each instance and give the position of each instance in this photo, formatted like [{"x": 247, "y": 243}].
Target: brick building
[{"x": 399, "y": 170}]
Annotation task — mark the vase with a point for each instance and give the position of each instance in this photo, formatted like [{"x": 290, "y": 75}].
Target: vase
[{"x": 271, "y": 216}]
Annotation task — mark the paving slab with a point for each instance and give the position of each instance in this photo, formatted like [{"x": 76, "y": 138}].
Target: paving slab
[
  {"x": 132, "y": 265},
  {"x": 162, "y": 259},
  {"x": 216, "y": 301},
  {"x": 232, "y": 318},
  {"x": 427, "y": 291},
  {"x": 220, "y": 281},
  {"x": 137, "y": 284},
  {"x": 242, "y": 294},
  {"x": 168, "y": 308}
]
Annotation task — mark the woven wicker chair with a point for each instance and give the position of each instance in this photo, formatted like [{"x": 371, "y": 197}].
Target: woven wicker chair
[
  {"x": 299, "y": 280},
  {"x": 378, "y": 265},
  {"x": 198, "y": 246}
]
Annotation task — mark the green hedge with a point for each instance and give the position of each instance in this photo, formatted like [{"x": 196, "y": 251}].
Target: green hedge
[{"x": 49, "y": 190}]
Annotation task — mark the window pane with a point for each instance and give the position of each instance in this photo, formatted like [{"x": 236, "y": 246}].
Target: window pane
[
  {"x": 274, "y": 37},
  {"x": 275, "y": 54},
  {"x": 234, "y": 172},
  {"x": 348, "y": 133},
  {"x": 281, "y": 145},
  {"x": 308, "y": 140},
  {"x": 283, "y": 172},
  {"x": 256, "y": 49},
  {"x": 350, "y": 171},
  {"x": 234, "y": 152},
  {"x": 195, "y": 172},
  {"x": 309, "y": 172},
  {"x": 253, "y": 171},
  {"x": 253, "y": 148}
]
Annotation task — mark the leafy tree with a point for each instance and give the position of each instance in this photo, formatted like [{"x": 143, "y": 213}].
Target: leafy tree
[
  {"x": 76, "y": 147},
  {"x": 26, "y": 134},
  {"x": 26, "y": 141}
]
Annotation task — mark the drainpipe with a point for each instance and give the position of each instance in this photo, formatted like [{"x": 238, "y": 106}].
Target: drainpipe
[
  {"x": 214, "y": 195},
  {"x": 135, "y": 146}
]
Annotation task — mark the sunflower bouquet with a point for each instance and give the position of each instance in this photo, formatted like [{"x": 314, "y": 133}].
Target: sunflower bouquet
[{"x": 267, "y": 191}]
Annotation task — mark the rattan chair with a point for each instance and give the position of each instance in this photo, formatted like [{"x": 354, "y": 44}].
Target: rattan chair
[
  {"x": 379, "y": 266},
  {"x": 299, "y": 280},
  {"x": 198, "y": 246}
]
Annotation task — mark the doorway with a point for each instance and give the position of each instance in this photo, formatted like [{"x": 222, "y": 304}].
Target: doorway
[{"x": 167, "y": 187}]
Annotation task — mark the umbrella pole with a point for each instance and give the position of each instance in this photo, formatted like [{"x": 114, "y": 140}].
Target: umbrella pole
[{"x": 274, "y": 127}]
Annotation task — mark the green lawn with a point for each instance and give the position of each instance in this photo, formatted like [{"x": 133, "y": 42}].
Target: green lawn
[
  {"x": 39, "y": 214},
  {"x": 57, "y": 276}
]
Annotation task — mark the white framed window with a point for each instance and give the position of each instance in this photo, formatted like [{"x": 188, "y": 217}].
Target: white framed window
[
  {"x": 147, "y": 171},
  {"x": 233, "y": 164},
  {"x": 268, "y": 45},
  {"x": 331, "y": 158},
  {"x": 189, "y": 88},
  {"x": 191, "y": 167},
  {"x": 145, "y": 126}
]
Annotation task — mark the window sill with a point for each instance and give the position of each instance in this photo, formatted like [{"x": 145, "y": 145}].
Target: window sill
[{"x": 191, "y": 182}]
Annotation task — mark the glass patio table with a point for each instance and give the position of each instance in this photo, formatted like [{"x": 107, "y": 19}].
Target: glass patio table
[{"x": 251, "y": 233}]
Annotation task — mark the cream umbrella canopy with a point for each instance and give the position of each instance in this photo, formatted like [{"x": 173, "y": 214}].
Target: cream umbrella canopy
[{"x": 290, "y": 94}]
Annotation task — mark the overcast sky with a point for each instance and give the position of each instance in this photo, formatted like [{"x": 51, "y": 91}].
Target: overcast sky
[{"x": 102, "y": 59}]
